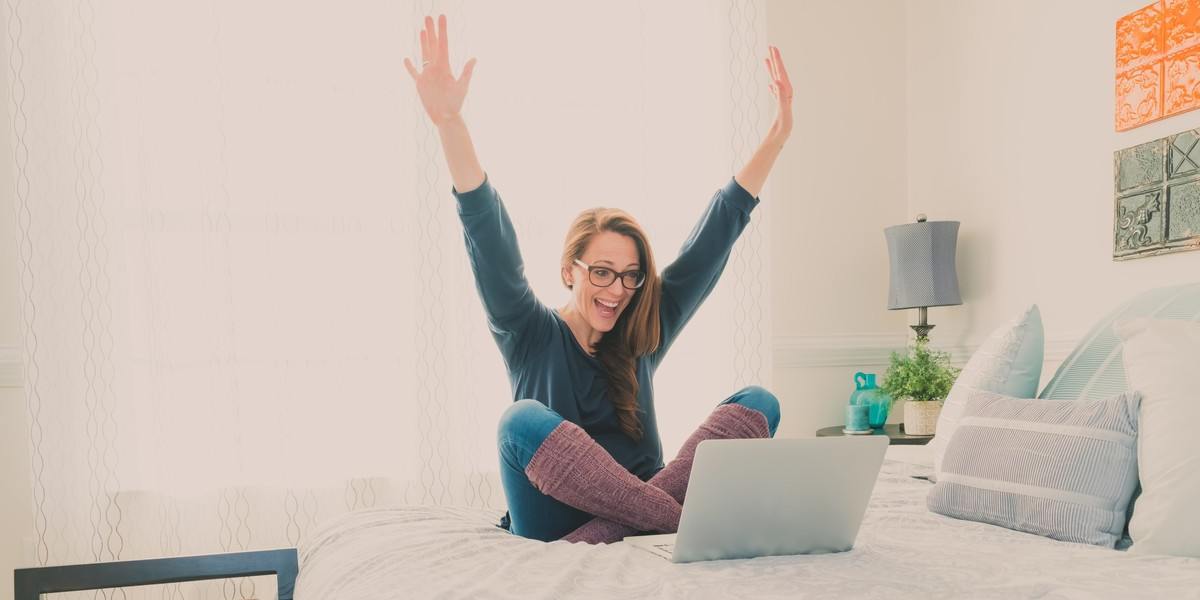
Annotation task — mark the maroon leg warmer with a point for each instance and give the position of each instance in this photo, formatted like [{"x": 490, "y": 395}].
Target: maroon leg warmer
[
  {"x": 728, "y": 421},
  {"x": 572, "y": 468}
]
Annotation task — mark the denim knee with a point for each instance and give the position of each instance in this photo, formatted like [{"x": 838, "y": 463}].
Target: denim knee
[
  {"x": 522, "y": 429},
  {"x": 758, "y": 398}
]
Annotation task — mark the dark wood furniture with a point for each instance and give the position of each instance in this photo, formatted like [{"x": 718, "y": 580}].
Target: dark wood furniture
[
  {"x": 31, "y": 583},
  {"x": 894, "y": 431}
]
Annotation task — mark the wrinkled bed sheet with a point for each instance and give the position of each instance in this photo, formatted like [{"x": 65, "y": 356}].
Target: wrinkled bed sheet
[{"x": 902, "y": 551}]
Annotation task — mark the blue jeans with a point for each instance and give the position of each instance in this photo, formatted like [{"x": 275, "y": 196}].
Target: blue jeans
[{"x": 523, "y": 428}]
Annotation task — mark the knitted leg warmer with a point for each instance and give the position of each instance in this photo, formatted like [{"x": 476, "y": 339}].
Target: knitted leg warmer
[
  {"x": 728, "y": 421},
  {"x": 572, "y": 468}
]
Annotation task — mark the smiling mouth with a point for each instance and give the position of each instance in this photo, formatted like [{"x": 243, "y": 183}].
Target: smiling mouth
[{"x": 605, "y": 310}]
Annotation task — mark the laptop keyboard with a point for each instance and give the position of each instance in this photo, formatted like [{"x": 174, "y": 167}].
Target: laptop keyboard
[
  {"x": 665, "y": 550},
  {"x": 662, "y": 546}
]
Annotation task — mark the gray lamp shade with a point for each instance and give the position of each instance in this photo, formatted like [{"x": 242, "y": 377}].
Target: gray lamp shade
[{"x": 922, "y": 264}]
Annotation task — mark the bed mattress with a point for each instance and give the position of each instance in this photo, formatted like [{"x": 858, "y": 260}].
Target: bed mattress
[{"x": 902, "y": 551}]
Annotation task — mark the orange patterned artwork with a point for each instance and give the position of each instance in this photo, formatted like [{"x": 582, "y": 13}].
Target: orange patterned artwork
[{"x": 1158, "y": 62}]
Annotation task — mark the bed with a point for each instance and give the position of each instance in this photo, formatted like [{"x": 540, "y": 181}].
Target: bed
[{"x": 903, "y": 550}]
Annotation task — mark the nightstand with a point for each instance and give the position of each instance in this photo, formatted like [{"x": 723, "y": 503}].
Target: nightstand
[{"x": 894, "y": 431}]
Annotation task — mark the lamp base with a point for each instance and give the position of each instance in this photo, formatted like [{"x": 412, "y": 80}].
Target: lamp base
[{"x": 922, "y": 331}]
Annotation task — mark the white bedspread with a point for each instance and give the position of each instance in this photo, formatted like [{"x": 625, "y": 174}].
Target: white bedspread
[{"x": 902, "y": 551}]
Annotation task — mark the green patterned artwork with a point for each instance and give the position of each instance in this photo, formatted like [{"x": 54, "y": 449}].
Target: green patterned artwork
[{"x": 1157, "y": 206}]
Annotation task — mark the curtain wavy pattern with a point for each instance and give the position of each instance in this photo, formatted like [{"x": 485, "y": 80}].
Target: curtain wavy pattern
[
  {"x": 748, "y": 122},
  {"x": 246, "y": 307}
]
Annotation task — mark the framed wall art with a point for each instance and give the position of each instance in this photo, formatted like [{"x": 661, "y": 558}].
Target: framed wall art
[
  {"x": 1157, "y": 197},
  {"x": 1157, "y": 62}
]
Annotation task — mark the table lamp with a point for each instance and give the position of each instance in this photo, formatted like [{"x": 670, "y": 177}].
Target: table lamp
[{"x": 922, "y": 268}]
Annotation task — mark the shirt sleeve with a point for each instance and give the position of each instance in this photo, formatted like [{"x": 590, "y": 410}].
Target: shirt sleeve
[
  {"x": 512, "y": 309},
  {"x": 688, "y": 280}
]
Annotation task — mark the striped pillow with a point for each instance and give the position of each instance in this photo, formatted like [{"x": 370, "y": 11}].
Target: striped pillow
[
  {"x": 1064, "y": 470},
  {"x": 1095, "y": 369}
]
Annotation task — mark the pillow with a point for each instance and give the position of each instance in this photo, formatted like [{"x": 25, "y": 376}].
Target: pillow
[
  {"x": 1064, "y": 470},
  {"x": 1161, "y": 358},
  {"x": 1094, "y": 370},
  {"x": 1008, "y": 362}
]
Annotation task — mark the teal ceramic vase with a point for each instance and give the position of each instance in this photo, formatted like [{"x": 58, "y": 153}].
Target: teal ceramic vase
[{"x": 867, "y": 393}]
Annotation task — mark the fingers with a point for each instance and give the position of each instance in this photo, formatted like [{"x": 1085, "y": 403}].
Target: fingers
[
  {"x": 431, "y": 43},
  {"x": 409, "y": 66},
  {"x": 435, "y": 44},
  {"x": 771, "y": 74},
  {"x": 783, "y": 74},
  {"x": 465, "y": 78},
  {"x": 443, "y": 40},
  {"x": 781, "y": 85}
]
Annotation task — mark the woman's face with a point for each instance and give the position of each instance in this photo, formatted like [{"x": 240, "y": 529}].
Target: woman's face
[{"x": 601, "y": 306}]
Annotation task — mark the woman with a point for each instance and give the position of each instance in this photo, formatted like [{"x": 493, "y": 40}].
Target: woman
[{"x": 580, "y": 454}]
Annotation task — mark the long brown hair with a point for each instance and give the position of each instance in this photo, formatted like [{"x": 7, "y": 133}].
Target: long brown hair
[{"x": 637, "y": 331}]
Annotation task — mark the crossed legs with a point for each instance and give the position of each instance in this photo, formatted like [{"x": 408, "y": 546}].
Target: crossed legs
[{"x": 558, "y": 481}]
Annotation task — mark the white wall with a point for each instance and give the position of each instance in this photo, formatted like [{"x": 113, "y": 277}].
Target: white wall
[
  {"x": 838, "y": 183},
  {"x": 1010, "y": 131},
  {"x": 16, "y": 524}
]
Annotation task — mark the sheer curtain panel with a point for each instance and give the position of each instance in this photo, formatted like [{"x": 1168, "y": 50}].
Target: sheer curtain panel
[{"x": 245, "y": 302}]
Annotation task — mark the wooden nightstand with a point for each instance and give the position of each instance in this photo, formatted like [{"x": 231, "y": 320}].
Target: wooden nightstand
[{"x": 894, "y": 431}]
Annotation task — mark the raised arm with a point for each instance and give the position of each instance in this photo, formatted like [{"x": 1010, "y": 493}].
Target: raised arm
[
  {"x": 512, "y": 309},
  {"x": 442, "y": 95},
  {"x": 514, "y": 314},
  {"x": 688, "y": 280},
  {"x": 691, "y": 277},
  {"x": 754, "y": 173}
]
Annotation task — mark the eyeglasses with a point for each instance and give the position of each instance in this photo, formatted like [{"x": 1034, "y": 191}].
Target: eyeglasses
[{"x": 604, "y": 276}]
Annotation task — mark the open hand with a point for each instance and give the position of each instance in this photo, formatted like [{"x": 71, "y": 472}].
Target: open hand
[
  {"x": 441, "y": 93},
  {"x": 781, "y": 88}
]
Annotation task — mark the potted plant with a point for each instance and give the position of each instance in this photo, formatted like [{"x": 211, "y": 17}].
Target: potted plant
[{"x": 922, "y": 377}]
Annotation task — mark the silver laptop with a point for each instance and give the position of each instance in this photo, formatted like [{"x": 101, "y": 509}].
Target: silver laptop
[{"x": 766, "y": 497}]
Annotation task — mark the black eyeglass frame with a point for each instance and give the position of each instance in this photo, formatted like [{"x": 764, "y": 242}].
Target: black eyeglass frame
[{"x": 640, "y": 281}]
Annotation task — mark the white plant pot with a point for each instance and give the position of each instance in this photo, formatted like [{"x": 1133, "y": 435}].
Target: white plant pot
[{"x": 920, "y": 418}]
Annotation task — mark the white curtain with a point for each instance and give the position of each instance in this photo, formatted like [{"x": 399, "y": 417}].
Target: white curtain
[{"x": 245, "y": 301}]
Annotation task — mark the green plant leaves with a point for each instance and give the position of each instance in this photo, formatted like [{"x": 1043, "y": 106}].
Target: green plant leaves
[{"x": 920, "y": 374}]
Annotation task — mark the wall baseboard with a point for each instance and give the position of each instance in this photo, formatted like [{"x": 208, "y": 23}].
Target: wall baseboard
[
  {"x": 871, "y": 349},
  {"x": 11, "y": 372}
]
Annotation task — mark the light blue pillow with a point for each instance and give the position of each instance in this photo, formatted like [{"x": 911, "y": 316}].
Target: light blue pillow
[
  {"x": 1025, "y": 371},
  {"x": 1064, "y": 470},
  {"x": 1009, "y": 362},
  {"x": 1095, "y": 369}
]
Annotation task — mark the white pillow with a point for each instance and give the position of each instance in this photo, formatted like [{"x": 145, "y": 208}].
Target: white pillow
[
  {"x": 1008, "y": 362},
  {"x": 1161, "y": 358}
]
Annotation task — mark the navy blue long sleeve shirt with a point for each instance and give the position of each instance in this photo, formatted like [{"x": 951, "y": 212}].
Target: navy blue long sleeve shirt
[{"x": 546, "y": 363}]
